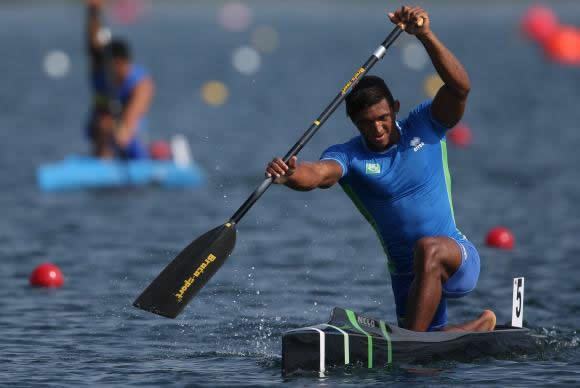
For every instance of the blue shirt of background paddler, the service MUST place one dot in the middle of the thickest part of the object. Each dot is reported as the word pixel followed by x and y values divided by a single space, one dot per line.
pixel 136 148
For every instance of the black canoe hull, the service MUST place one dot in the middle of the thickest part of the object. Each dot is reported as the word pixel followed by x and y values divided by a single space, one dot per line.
pixel 345 340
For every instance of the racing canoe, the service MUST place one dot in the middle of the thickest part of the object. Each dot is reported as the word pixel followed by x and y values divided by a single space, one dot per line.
pixel 78 173
pixel 354 340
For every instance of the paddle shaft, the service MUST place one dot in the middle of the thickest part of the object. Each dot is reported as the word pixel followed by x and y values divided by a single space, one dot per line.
pixel 328 111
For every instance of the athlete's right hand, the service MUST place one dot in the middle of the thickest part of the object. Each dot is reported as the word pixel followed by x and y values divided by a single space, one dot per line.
pixel 280 170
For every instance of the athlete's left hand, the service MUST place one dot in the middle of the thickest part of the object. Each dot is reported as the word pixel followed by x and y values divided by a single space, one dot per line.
pixel 409 17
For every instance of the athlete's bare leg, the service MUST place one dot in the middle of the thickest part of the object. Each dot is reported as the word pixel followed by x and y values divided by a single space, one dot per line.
pixel 435 260
pixel 101 137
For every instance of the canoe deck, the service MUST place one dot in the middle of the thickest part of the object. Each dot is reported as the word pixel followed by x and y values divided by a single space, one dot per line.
pixel 351 339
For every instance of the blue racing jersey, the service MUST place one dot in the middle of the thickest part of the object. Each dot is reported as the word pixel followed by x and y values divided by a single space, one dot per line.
pixel 404 192
pixel 124 91
pixel 136 149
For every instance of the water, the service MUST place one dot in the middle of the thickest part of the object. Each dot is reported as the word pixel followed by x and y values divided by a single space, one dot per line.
pixel 298 254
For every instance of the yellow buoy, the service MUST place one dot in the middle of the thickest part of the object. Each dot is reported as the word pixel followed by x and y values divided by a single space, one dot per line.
pixel 432 85
pixel 214 93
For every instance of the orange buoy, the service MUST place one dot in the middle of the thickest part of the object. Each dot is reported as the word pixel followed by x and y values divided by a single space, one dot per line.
pixel 460 135
pixel 563 46
pixel 539 23
pixel 46 275
pixel 160 150
pixel 500 237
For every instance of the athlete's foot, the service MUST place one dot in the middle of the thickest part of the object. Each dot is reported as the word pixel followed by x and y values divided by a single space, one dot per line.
pixel 485 322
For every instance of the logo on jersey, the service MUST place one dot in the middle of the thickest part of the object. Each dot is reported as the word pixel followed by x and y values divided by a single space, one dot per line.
pixel 373 168
pixel 417 144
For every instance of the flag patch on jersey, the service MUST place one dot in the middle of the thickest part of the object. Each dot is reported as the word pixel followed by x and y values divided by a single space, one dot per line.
pixel 373 168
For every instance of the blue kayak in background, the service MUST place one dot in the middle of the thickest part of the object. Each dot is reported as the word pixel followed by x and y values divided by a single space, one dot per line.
pixel 79 172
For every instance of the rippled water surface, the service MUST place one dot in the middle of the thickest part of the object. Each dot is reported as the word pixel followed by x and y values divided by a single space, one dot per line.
pixel 298 254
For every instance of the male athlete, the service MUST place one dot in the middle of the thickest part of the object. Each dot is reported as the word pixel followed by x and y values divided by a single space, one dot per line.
pixel 123 93
pixel 396 173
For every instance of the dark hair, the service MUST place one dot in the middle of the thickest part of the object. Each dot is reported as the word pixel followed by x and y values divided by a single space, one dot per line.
pixel 369 91
pixel 119 49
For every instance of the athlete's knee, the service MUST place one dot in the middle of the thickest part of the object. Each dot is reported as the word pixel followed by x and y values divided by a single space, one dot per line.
pixel 426 258
pixel 427 247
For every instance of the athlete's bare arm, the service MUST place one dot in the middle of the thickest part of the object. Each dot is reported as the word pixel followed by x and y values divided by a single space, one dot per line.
pixel 306 175
pixel 449 103
pixel 94 46
pixel 137 107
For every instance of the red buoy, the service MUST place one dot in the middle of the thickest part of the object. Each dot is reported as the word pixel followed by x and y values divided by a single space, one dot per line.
pixel 160 150
pixel 46 275
pixel 500 237
pixel 539 23
pixel 460 135
pixel 563 46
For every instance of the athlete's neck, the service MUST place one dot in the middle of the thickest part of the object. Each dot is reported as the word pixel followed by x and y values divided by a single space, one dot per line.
pixel 394 138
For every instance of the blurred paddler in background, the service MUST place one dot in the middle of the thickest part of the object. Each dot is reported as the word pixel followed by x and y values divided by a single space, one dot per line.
pixel 122 91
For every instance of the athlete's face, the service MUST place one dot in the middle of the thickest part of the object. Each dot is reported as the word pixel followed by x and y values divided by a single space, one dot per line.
pixel 377 125
pixel 121 69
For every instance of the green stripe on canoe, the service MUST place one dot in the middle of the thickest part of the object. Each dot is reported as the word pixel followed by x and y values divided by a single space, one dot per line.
pixel 352 318
pixel 388 338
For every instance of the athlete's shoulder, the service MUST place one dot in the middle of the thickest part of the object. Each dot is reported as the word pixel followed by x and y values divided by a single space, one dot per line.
pixel 139 69
pixel 420 119
pixel 138 73
pixel 343 153
pixel 419 115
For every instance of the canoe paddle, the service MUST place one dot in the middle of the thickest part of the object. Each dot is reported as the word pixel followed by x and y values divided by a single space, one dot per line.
pixel 186 275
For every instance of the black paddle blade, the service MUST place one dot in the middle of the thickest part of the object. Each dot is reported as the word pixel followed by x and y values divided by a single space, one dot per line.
pixel 170 292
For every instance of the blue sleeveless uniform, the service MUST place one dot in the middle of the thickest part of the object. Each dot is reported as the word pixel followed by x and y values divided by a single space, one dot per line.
pixel 404 192
pixel 136 149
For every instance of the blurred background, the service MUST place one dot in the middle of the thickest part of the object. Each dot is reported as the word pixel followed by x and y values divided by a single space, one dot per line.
pixel 242 81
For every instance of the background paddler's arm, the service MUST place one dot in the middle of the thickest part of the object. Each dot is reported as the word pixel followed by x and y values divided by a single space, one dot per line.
pixel 93 27
pixel 307 176
pixel 449 104
pixel 137 107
